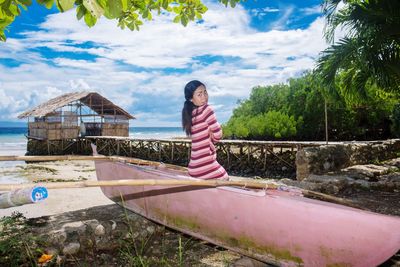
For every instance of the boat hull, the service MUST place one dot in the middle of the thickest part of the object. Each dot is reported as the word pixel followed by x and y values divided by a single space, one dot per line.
pixel 278 227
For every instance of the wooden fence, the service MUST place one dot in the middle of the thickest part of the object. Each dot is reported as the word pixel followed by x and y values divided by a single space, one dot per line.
pixel 239 157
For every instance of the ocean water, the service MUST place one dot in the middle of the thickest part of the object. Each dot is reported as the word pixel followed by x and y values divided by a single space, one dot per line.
pixel 13 142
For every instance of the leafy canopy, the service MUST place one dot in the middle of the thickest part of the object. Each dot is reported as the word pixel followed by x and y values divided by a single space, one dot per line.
pixel 129 13
pixel 369 53
pixel 295 111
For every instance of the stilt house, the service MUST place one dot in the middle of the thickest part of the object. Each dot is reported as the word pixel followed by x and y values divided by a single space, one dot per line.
pixel 75 115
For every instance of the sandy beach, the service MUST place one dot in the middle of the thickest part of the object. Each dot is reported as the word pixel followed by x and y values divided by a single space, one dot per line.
pixel 59 200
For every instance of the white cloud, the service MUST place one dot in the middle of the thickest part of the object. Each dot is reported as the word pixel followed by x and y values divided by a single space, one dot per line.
pixel 283 20
pixel 244 58
pixel 317 9
pixel 261 12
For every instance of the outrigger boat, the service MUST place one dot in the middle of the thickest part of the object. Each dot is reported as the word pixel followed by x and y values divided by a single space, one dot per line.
pixel 274 224
pixel 277 226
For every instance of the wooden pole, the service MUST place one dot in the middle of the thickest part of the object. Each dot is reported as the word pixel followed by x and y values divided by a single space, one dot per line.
pixel 52 158
pixel 147 182
pixel 326 122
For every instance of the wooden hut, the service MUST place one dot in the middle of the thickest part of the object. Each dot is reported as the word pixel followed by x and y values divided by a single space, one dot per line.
pixel 76 114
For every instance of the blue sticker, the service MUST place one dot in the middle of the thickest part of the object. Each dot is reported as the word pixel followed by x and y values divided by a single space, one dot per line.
pixel 39 193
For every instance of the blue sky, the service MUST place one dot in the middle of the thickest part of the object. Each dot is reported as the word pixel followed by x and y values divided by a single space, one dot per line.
pixel 257 43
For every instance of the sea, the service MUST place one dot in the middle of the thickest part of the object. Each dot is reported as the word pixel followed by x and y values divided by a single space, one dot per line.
pixel 13 142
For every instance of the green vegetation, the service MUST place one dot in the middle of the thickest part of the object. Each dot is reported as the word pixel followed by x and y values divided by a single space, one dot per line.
pixel 31 167
pixel 369 53
pixel 128 13
pixel 295 111
pixel 18 246
pixel 147 249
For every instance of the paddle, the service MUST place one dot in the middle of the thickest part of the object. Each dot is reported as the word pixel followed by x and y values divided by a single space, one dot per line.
pixel 176 182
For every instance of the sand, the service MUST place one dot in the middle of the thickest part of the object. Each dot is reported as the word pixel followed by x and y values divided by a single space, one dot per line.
pixel 59 200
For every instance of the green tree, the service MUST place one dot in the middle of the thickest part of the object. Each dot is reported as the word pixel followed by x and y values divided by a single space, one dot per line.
pixel 370 51
pixel 279 125
pixel 296 110
pixel 129 13
pixel 236 127
pixel 268 98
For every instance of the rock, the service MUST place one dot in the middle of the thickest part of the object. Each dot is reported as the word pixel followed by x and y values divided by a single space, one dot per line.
pixel 393 162
pixel 100 230
pixel 59 260
pixel 113 225
pixel 327 166
pixel 77 226
pixel 92 224
pixel 58 237
pixel 335 178
pixel 367 172
pixel 332 158
pixel 362 183
pixel 71 248
pixel 392 177
pixel 51 251
pixel 150 229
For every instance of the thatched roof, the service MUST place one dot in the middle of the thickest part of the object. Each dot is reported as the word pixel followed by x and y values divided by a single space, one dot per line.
pixel 93 100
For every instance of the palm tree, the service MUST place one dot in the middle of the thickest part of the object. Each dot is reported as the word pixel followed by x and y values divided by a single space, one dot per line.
pixel 369 53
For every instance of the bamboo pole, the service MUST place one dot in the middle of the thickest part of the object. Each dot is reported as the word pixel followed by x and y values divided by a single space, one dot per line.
pixel 52 158
pixel 177 182
pixel 141 182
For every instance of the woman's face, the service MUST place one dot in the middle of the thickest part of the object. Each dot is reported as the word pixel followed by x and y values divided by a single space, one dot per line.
pixel 200 96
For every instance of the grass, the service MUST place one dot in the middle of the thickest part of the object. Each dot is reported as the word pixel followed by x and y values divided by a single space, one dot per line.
pixel 88 170
pixel 18 246
pixel 52 180
pixel 137 246
pixel 138 251
pixel 30 167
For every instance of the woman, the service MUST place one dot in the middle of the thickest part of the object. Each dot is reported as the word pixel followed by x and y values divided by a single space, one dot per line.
pixel 199 122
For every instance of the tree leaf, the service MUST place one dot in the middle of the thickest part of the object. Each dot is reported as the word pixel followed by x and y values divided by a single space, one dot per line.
pixel 124 4
pixel 25 2
pixel 64 5
pixel 94 8
pixel 102 3
pixel 165 4
pixel 47 3
pixel 184 20
pixel 198 15
pixel 3 37
pixel 14 10
pixel 80 11
pixel 150 16
pixel 145 13
pixel 177 19
pixel 113 9
pixel 89 19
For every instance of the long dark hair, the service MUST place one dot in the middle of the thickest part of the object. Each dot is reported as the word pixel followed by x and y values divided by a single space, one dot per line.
pixel 188 106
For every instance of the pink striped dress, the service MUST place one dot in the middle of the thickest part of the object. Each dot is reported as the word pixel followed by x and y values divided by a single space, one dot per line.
pixel 206 131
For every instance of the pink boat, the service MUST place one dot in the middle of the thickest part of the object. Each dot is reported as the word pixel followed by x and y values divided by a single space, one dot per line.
pixel 278 227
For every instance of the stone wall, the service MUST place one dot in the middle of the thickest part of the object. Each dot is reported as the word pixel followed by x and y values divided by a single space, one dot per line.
pixel 333 158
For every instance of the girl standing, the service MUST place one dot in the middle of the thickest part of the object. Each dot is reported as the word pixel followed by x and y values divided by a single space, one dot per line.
pixel 200 123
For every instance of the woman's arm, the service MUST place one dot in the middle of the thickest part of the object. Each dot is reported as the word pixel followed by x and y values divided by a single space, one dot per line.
pixel 213 126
